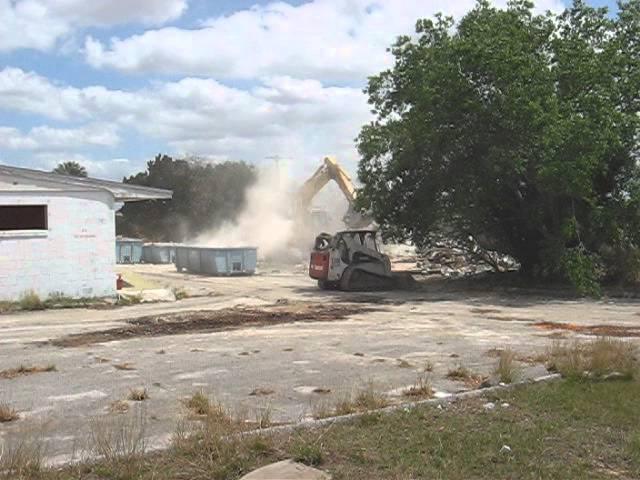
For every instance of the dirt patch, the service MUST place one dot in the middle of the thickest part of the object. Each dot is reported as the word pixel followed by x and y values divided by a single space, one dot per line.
pixel 595 330
pixel 484 311
pixel 23 370
pixel 371 300
pixel 509 319
pixel 204 321
pixel 261 392
pixel 124 366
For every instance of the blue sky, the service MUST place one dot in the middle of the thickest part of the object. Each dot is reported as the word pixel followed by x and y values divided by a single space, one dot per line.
pixel 109 83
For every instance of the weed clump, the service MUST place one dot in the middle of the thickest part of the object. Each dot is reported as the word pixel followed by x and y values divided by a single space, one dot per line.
pixel 7 413
pixel 420 389
pixel 198 403
pixel 506 370
pixel 463 374
pixel 602 358
pixel 138 395
pixel 180 293
pixel 363 400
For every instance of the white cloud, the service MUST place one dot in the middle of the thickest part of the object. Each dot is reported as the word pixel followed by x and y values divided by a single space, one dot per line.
pixel 39 24
pixel 113 12
pixel 13 139
pixel 299 119
pixel 325 39
pixel 290 54
pixel 48 138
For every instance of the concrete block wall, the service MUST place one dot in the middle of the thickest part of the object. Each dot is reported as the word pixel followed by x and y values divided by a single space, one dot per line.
pixel 74 257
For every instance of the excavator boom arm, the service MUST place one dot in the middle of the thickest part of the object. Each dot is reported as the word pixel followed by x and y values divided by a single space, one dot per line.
pixel 329 170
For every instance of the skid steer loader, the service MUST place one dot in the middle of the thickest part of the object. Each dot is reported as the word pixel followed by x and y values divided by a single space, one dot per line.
pixel 351 261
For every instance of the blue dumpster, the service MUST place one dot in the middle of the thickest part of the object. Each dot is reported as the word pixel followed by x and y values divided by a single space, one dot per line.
pixel 128 250
pixel 217 261
pixel 159 253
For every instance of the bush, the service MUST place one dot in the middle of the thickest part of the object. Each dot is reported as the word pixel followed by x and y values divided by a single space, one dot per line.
pixel 31 301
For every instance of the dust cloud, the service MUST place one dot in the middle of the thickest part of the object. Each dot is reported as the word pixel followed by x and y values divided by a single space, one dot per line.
pixel 265 222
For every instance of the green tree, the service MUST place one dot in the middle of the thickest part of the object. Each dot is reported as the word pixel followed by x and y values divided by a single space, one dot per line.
pixel 204 196
pixel 71 168
pixel 519 131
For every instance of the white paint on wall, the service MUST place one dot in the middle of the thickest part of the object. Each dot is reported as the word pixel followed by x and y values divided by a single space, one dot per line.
pixel 74 257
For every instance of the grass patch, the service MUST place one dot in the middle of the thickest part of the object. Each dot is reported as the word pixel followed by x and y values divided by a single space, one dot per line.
pixel 138 395
pixel 307 453
pixel 120 444
pixel 24 370
pixel 30 301
pixel 507 370
pixel 7 413
pixel 556 430
pixel 128 300
pixel 601 359
pixel 22 458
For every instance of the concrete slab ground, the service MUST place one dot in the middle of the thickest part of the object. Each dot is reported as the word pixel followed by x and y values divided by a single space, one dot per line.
pixel 390 347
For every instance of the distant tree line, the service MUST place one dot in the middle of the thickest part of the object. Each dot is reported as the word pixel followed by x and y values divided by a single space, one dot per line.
pixel 204 196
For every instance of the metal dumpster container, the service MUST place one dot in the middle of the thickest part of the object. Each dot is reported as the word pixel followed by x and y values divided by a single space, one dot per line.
pixel 128 250
pixel 159 253
pixel 217 261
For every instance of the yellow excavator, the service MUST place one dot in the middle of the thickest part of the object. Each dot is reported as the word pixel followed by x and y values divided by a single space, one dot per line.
pixel 331 170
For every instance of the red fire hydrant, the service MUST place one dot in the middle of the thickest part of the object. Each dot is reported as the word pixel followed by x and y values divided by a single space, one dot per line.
pixel 119 282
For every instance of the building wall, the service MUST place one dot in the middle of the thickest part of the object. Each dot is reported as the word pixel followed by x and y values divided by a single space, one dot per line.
pixel 74 257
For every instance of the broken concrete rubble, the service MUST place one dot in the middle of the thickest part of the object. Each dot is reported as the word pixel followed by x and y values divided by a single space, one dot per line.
pixel 448 258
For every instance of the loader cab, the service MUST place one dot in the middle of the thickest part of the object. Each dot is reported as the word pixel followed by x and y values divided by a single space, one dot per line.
pixel 367 239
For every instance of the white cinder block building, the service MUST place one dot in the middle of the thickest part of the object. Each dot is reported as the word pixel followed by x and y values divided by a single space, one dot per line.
pixel 57 232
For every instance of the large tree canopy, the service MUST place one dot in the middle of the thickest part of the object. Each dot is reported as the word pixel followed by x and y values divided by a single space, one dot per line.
pixel 204 196
pixel 518 130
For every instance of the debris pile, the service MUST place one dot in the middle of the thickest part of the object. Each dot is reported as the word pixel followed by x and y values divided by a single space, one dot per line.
pixel 451 260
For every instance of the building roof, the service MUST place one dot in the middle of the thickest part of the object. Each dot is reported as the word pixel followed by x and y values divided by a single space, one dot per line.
pixel 15 179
